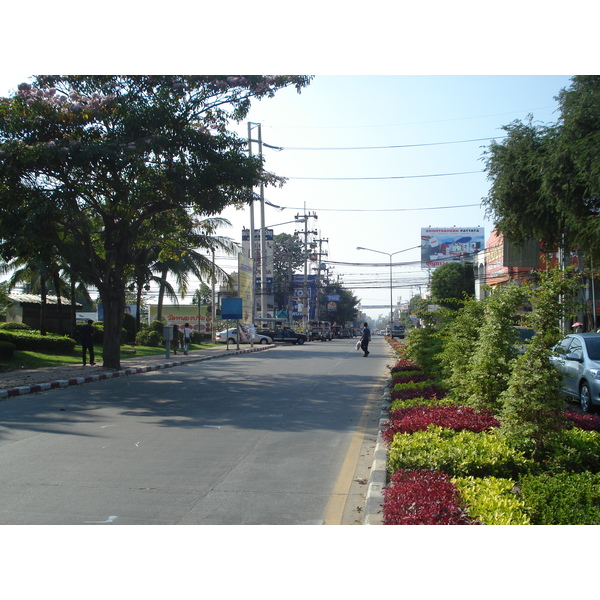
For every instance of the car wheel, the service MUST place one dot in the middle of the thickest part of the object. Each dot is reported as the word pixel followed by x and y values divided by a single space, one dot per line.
pixel 301 342
pixel 585 398
pixel 263 341
pixel 231 341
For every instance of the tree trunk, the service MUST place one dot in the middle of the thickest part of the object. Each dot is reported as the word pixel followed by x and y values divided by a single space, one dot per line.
pixel 161 293
pixel 43 294
pixel 73 308
pixel 113 301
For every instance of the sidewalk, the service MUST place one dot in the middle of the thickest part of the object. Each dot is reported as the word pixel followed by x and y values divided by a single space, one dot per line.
pixel 29 381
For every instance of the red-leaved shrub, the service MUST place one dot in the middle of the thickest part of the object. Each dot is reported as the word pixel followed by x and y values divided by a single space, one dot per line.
pixel 405 365
pixel 589 422
pixel 412 378
pixel 430 391
pixel 422 497
pixel 417 418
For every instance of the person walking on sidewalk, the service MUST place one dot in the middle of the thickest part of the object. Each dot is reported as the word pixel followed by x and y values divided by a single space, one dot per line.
pixel 86 336
pixel 365 338
pixel 176 340
pixel 187 337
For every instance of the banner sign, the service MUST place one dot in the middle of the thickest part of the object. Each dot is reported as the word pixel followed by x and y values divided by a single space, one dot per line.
pixel 183 313
pixel 440 245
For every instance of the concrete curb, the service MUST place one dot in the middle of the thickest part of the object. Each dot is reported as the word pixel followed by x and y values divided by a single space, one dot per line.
pixel 59 383
pixel 378 476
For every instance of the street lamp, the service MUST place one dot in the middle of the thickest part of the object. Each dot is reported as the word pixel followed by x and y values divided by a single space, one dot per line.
pixel 391 284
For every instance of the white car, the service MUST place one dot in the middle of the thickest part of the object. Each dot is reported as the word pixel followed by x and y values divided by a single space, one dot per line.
pixel 231 335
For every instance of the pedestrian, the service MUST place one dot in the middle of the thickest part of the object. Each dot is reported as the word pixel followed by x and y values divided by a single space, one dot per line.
pixel 187 338
pixel 365 338
pixel 175 339
pixel 86 336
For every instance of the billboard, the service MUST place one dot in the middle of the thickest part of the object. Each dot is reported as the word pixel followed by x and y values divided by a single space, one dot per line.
pixel 200 320
pixel 440 245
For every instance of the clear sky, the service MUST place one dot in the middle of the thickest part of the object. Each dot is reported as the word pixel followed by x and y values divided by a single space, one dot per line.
pixel 439 81
pixel 380 198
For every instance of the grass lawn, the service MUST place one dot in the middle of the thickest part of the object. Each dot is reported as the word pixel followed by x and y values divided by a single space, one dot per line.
pixel 24 359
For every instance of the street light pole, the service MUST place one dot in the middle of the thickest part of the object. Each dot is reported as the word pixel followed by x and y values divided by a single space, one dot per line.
pixel 391 282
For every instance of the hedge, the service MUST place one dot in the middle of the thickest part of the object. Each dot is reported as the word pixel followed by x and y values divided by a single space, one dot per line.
pixel 37 342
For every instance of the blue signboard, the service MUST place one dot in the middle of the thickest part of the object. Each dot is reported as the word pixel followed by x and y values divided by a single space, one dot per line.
pixel 231 308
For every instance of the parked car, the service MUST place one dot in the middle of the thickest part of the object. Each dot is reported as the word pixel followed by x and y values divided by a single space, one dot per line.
pixel 284 335
pixel 345 333
pixel 577 357
pixel 231 336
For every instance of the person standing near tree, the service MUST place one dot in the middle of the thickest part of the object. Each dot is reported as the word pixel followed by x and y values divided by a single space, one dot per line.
pixel 365 338
pixel 86 336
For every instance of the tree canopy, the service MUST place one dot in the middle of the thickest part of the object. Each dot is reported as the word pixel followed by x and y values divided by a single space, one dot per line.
pixel 545 179
pixel 96 168
pixel 451 282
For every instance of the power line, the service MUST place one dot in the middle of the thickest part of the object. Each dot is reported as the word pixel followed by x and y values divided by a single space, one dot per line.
pixel 280 148
pixel 379 178
pixel 369 209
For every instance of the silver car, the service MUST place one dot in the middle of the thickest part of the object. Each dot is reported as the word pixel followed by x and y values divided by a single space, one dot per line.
pixel 577 356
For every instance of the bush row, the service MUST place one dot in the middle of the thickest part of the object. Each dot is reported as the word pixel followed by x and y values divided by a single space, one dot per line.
pixel 30 340
pixel 450 464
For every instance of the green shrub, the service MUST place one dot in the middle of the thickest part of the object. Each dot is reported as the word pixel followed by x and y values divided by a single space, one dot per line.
pixel 15 326
pixel 421 401
pixel 575 450
pixel 7 350
pixel 457 453
pixel 129 325
pixel 423 346
pixel 157 326
pixel 149 337
pixel 29 340
pixel 99 333
pixel 562 499
pixel 491 500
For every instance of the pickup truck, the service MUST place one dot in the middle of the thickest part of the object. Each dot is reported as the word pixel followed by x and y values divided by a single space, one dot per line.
pixel 284 335
pixel 398 331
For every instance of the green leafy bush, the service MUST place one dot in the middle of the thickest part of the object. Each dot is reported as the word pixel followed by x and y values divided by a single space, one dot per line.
pixel 491 500
pixel 129 325
pixel 457 453
pixel 562 499
pixel 15 326
pixel 99 333
pixel 7 350
pixel 24 340
pixel 575 450
pixel 148 337
pixel 421 401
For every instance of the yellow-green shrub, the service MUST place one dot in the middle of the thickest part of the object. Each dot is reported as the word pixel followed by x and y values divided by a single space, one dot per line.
pixel 491 501
pixel 457 453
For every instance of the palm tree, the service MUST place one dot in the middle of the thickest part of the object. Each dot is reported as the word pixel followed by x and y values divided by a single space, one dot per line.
pixel 184 261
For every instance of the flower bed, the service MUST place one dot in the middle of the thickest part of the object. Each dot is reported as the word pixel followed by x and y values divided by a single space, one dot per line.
pixel 416 418
pixel 422 497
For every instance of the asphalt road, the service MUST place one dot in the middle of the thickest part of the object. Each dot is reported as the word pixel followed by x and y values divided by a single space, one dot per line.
pixel 274 437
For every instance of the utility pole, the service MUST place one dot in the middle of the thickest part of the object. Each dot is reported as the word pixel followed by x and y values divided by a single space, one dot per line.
pixel 252 252
pixel 305 233
pixel 263 243
pixel 318 282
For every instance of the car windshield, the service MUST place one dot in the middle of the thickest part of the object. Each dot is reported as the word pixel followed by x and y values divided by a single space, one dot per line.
pixel 593 348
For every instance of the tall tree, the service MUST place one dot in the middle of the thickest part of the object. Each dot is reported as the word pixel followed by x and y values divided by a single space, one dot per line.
pixel 451 282
pixel 91 162
pixel 545 179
